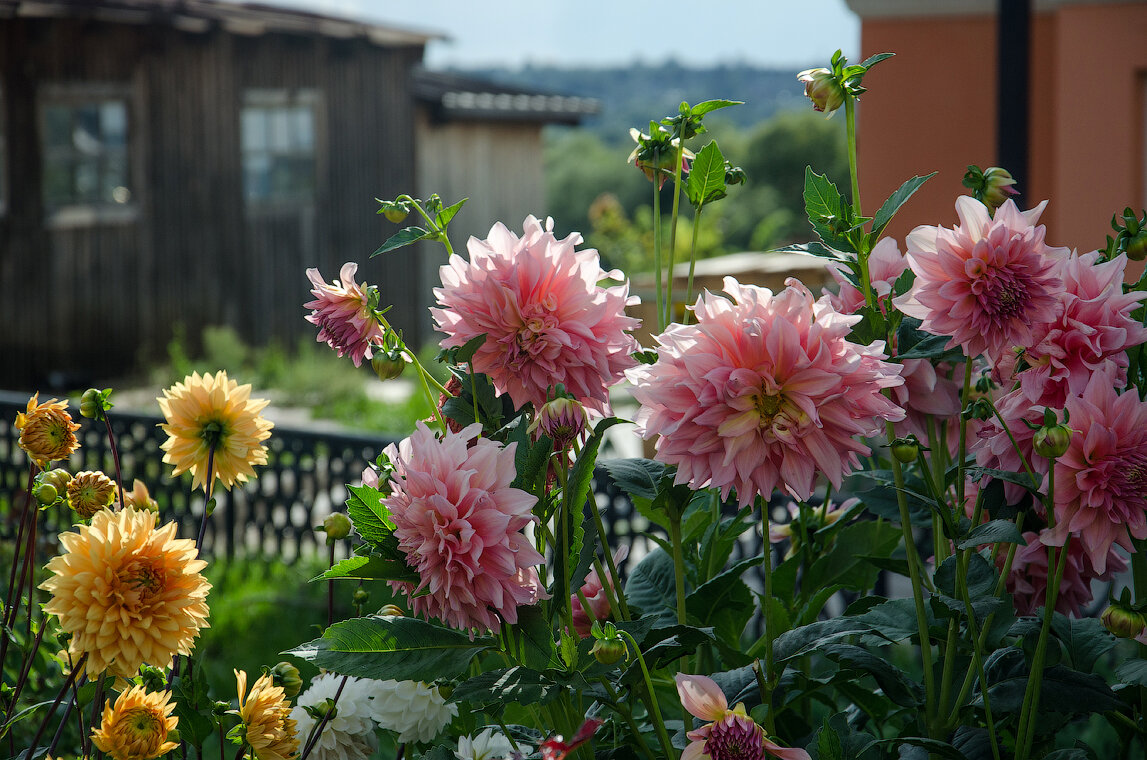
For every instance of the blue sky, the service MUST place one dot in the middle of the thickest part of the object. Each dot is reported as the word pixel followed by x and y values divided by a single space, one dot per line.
pixel 780 33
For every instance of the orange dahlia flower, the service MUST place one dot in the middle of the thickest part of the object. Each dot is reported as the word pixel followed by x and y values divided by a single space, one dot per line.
pixel 137 725
pixel 89 492
pixel 47 432
pixel 265 712
pixel 211 413
pixel 127 592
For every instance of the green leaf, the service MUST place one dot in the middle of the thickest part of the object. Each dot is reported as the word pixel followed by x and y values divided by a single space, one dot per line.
pixel 652 586
pixel 493 689
pixel 400 648
pixel 1019 478
pixel 530 459
pixel 993 532
pixel 824 206
pixel 1085 640
pixel 1132 672
pixel 895 683
pixel 371 567
pixel 706 106
pixel 446 214
pixel 636 477
pixel 809 638
pixel 894 202
pixel 872 60
pixel 539 650
pixel 370 518
pixel 401 239
pixel 706 181
pixel 895 619
pixel 725 602
pixel 844 563
pixel 1062 690
pixel 819 249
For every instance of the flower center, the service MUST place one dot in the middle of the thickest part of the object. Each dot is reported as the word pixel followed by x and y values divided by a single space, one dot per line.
pixel 214 433
pixel 735 738
pixel 142 580
pixel 768 406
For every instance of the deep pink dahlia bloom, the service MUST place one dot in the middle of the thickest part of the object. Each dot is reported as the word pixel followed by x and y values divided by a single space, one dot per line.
pixel 459 523
pixel 885 265
pixel 342 312
pixel 1101 480
pixel 1094 327
pixel 763 390
pixel 990 283
pixel 1027 582
pixel 729 734
pixel 546 319
pixel 594 592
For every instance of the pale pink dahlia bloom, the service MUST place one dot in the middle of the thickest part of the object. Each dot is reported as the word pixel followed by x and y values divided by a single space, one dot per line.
pixel 1027 582
pixel 729 734
pixel 1101 480
pixel 459 523
pixel 546 319
pixel 990 283
pixel 1094 327
pixel 885 265
pixel 342 311
pixel 594 592
pixel 993 448
pixel 764 389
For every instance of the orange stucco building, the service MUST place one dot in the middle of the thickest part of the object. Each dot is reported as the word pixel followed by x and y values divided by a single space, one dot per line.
pixel 933 108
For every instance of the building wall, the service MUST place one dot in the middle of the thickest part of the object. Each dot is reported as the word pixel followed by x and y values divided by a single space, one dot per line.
pixel 95 298
pixel 933 107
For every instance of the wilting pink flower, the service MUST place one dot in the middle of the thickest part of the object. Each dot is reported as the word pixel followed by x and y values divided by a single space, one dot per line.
pixel 1027 582
pixel 342 311
pixel 729 734
pixel 763 389
pixel 557 748
pixel 990 283
pixel 594 592
pixel 1101 480
pixel 546 319
pixel 1094 327
pixel 885 265
pixel 459 523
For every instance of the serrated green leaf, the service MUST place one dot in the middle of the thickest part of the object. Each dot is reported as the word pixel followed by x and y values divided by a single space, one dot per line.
pixel 400 648
pixel 872 60
pixel 706 106
pixel 895 683
pixel 494 689
pixel 819 249
pixel 706 181
pixel 889 208
pixel 401 239
pixel 370 567
pixel 636 477
pixel 993 532
pixel 446 214
pixel 368 515
pixel 652 586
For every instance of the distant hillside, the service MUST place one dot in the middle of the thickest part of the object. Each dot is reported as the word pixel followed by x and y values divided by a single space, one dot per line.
pixel 632 95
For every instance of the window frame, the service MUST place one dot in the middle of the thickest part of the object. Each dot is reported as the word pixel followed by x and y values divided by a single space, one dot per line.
pixel 271 99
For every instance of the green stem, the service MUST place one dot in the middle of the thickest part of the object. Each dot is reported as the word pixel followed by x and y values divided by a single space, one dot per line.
pixel 692 264
pixel 677 163
pixel 679 565
pixel 1139 580
pixel 964 394
pixel 614 576
pixel 627 714
pixel 654 710
pixel 977 658
pixel 767 580
pixel 658 295
pixel 854 176
pixel 430 223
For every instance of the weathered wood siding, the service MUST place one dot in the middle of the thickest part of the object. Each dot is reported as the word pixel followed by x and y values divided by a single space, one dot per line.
pixel 94 300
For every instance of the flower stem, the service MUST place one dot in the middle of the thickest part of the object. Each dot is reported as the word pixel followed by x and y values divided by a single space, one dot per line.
pixel 313 739
pixel 977 657
pixel 854 176
pixel 770 634
pixel 654 711
pixel 679 565
pixel 692 264
pixel 657 248
pixel 677 163
pixel 613 574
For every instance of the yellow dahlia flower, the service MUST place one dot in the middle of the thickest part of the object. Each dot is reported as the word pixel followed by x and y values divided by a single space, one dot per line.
pixel 206 411
pixel 127 592
pixel 137 725
pixel 267 724
pixel 47 432
pixel 89 492
pixel 139 497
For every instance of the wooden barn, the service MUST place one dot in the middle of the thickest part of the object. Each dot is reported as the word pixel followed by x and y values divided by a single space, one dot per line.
pixel 182 162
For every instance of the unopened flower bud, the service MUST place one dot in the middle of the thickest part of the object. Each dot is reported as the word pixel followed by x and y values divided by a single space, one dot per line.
pixel 139 497
pixel 287 675
pixel 608 651
pixel 360 597
pixel 90 404
pixel 905 449
pixel 562 420
pixel 57 478
pixel 1123 621
pixel 391 610
pixel 337 526
pixel 46 494
pixel 387 364
pixel 822 88
pixel 998 186
pixel 395 211
pixel 1052 442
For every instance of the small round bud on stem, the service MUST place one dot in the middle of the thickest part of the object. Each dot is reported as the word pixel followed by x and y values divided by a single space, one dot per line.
pixel 287 675
pixel 361 596
pixel 1052 442
pixel 1123 621
pixel 905 449
pixel 337 526
pixel 823 89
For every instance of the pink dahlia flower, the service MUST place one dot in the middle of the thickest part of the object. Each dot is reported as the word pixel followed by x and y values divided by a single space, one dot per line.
pixel 546 319
pixel 594 592
pixel 929 391
pixel 1094 327
pixel 1027 582
pixel 763 390
pixel 885 265
pixel 1101 480
pixel 994 449
pixel 990 283
pixel 459 523
pixel 729 734
pixel 342 311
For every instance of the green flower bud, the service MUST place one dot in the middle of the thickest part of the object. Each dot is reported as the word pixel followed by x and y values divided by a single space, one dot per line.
pixel 387 364
pixel 360 597
pixel 823 89
pixel 46 494
pixel 337 525
pixel 287 675
pixel 1052 442
pixel 1123 621
pixel 608 651
pixel 91 405
pixel 57 478
pixel 905 449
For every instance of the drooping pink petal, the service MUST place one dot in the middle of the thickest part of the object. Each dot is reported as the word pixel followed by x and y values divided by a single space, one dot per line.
pixel 342 312
pixel 701 696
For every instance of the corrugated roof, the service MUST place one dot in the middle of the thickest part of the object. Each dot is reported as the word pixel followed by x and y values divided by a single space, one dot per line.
pixel 198 16
pixel 454 96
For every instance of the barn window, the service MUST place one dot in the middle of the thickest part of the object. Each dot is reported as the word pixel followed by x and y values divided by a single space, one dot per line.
pixel 85 138
pixel 278 143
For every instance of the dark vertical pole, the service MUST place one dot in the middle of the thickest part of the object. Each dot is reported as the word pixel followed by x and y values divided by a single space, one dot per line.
pixel 1013 45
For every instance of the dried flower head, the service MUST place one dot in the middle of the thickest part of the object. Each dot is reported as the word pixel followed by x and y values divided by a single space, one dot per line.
pixel 128 593
pixel 89 492
pixel 137 725
pixel 344 314
pixel 265 712
pixel 47 432
pixel 211 418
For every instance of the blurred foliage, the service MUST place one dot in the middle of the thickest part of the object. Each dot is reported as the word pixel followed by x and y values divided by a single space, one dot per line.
pixel 591 188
